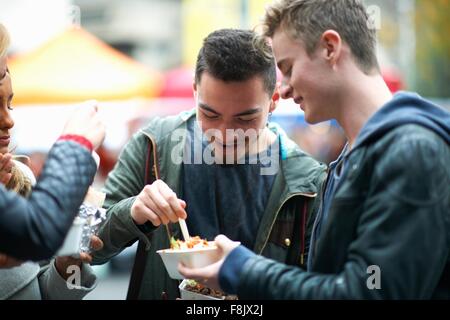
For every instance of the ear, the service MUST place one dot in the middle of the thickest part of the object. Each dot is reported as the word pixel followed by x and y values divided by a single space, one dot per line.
pixel 194 89
pixel 331 44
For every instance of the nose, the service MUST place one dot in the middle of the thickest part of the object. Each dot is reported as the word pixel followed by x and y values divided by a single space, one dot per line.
pixel 228 132
pixel 285 90
pixel 6 121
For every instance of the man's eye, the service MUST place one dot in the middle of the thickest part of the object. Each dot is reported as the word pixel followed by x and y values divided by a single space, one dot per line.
pixel 210 117
pixel 247 120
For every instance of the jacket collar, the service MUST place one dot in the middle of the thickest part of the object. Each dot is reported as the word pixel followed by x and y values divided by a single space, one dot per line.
pixel 300 171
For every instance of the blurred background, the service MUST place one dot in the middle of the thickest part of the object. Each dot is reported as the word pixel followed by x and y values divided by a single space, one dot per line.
pixel 136 58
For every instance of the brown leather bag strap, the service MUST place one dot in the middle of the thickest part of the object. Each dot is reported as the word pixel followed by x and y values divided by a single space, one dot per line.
pixel 138 272
pixel 140 261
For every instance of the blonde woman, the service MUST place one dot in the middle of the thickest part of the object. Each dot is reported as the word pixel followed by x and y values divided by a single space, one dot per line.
pixel 30 280
pixel 34 228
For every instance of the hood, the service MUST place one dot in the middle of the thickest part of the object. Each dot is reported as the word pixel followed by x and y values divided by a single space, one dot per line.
pixel 406 108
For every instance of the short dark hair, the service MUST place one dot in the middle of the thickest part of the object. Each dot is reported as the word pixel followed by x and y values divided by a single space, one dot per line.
pixel 232 55
pixel 307 20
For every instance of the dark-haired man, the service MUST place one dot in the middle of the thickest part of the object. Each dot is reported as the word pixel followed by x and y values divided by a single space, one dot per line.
pixel 236 173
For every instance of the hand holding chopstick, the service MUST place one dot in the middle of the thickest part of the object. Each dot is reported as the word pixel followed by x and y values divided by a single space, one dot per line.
pixel 184 229
pixel 158 204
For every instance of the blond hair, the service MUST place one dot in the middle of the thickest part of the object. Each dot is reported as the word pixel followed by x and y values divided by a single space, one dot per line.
pixel 4 40
pixel 19 182
pixel 307 20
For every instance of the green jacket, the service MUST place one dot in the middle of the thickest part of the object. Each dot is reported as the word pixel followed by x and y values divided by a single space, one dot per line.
pixel 285 227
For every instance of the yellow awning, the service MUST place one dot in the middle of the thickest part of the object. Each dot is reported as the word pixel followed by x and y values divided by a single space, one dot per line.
pixel 76 66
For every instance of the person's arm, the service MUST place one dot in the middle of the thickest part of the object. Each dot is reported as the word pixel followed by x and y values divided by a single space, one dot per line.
pixel 135 210
pixel 403 230
pixel 55 287
pixel 34 228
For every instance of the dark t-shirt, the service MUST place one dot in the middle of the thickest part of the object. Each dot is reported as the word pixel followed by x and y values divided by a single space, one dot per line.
pixel 227 199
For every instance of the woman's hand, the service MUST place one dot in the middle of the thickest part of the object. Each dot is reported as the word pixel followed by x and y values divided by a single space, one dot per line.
pixel 63 263
pixel 86 122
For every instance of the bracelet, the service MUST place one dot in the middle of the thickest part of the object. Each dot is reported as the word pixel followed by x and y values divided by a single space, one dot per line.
pixel 79 139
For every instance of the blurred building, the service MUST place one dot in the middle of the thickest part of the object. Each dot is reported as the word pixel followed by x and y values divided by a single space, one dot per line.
pixel 148 30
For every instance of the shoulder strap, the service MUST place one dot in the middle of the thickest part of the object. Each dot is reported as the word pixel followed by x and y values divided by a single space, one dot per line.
pixel 140 261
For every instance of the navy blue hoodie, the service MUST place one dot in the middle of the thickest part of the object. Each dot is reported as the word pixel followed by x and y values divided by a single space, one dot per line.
pixel 404 108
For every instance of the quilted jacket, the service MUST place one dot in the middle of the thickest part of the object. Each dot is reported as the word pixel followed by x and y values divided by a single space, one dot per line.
pixel 35 228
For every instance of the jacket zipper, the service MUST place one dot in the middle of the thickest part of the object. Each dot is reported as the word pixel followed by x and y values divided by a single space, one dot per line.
pixel 306 195
pixel 322 190
pixel 305 211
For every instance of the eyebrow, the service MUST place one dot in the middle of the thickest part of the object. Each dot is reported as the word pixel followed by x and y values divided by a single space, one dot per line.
pixel 248 112
pixel 207 108
pixel 245 113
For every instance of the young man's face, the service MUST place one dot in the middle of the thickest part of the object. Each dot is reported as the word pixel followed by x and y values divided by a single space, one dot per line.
pixel 308 80
pixel 225 106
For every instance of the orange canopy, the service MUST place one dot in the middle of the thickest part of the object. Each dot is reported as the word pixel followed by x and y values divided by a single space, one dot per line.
pixel 75 66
